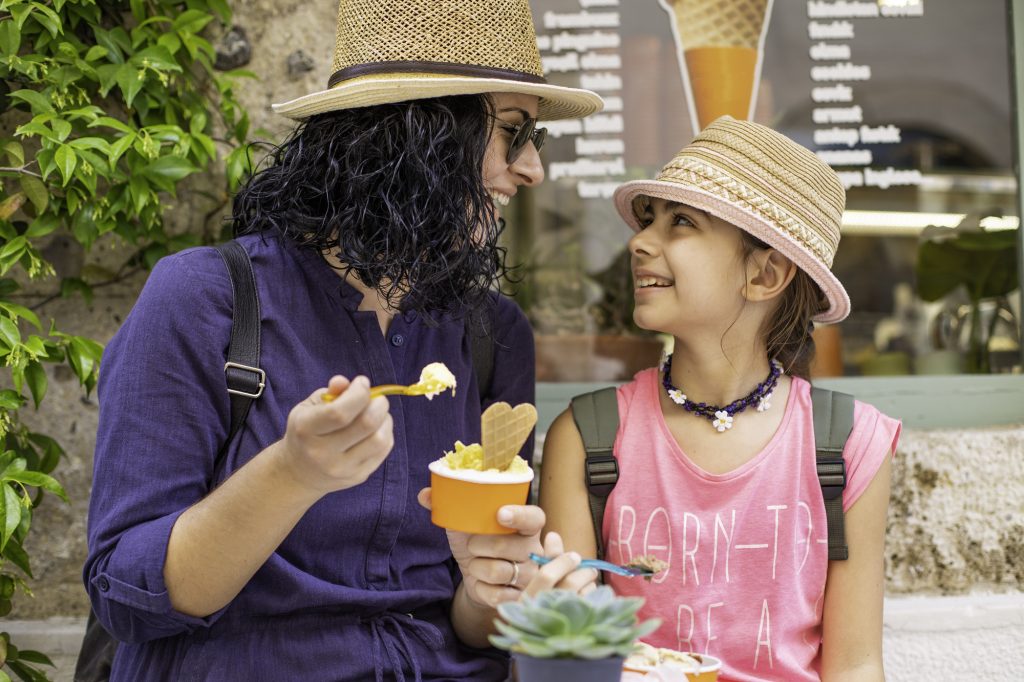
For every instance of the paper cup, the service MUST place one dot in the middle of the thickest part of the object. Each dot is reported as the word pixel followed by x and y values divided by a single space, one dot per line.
pixel 468 501
pixel 709 668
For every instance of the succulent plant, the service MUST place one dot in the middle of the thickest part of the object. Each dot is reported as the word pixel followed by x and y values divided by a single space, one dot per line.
pixel 564 624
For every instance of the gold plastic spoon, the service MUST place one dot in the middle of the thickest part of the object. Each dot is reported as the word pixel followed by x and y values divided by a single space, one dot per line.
pixel 435 378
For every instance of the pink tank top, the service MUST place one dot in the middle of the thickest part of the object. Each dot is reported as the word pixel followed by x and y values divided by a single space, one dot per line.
pixel 747 550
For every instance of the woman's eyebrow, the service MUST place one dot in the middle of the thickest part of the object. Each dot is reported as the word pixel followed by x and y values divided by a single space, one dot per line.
pixel 523 112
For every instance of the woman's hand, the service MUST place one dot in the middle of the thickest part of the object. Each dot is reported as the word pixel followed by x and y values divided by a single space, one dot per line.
pixel 335 445
pixel 497 568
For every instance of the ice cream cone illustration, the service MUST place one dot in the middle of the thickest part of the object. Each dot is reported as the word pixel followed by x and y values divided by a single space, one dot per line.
pixel 719 44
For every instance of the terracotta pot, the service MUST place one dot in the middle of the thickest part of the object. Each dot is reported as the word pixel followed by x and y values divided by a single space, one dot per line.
pixel 589 357
pixel 529 669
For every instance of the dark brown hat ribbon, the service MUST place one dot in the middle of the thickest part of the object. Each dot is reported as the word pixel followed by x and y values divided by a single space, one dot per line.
pixel 445 68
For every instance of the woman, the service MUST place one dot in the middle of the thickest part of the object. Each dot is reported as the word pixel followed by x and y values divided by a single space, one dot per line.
pixel 372 234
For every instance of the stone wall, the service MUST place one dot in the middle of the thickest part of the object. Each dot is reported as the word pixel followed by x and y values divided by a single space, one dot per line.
pixel 292 51
pixel 956 519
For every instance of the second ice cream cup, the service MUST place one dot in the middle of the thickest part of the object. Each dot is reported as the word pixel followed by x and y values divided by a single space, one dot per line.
pixel 468 500
pixel 709 668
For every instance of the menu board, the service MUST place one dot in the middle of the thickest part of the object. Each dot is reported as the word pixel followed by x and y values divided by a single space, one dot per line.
pixel 821 71
pixel 909 101
pixel 842 134
pixel 585 40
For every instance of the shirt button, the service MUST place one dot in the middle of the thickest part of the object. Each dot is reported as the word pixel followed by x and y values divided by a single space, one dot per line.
pixel 397 340
pixel 103 584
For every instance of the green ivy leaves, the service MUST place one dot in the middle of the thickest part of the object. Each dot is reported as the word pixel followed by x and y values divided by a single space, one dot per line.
pixel 120 111
pixel 107 107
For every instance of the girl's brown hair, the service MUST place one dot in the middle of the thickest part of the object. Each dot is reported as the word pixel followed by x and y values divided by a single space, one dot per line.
pixel 787 331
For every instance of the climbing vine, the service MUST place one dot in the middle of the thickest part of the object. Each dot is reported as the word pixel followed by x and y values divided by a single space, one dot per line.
pixel 107 107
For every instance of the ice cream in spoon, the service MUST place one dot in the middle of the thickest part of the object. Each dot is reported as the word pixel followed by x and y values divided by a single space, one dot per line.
pixel 435 379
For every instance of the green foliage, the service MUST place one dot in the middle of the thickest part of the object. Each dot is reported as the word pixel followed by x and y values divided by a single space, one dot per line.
pixel 564 624
pixel 21 662
pixel 107 106
pixel 983 262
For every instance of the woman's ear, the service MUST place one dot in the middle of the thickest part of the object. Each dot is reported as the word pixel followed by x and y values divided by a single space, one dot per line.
pixel 768 275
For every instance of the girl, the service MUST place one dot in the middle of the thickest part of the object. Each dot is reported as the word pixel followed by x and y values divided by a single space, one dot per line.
pixel 372 233
pixel 715 449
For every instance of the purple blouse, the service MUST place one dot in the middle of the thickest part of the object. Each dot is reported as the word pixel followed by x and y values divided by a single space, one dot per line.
pixel 361 588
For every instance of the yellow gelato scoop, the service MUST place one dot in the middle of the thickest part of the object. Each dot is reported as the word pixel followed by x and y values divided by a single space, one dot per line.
pixel 435 378
pixel 471 458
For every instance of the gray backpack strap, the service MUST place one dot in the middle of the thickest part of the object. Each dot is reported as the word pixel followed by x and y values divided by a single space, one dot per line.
pixel 833 422
pixel 597 418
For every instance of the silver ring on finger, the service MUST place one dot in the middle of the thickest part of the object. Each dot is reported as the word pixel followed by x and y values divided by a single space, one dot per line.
pixel 515 573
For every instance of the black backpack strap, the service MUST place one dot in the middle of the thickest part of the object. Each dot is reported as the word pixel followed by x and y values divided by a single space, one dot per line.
pixel 242 370
pixel 245 383
pixel 481 350
pixel 833 422
pixel 597 418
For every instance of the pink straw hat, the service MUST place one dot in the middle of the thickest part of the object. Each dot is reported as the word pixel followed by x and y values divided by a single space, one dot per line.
pixel 764 183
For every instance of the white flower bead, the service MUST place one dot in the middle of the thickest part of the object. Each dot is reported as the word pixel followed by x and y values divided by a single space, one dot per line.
pixel 723 421
pixel 677 396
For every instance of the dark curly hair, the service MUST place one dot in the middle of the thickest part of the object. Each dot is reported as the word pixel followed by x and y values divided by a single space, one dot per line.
pixel 396 192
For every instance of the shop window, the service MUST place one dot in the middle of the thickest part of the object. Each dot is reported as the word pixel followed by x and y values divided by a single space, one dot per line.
pixel 910 101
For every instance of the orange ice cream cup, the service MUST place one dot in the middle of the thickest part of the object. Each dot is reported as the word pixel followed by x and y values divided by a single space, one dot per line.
pixel 468 500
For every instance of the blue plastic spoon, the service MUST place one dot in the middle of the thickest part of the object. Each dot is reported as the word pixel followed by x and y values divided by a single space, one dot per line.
pixel 627 571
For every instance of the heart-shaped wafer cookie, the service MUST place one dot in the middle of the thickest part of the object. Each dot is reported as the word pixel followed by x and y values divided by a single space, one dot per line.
pixel 503 431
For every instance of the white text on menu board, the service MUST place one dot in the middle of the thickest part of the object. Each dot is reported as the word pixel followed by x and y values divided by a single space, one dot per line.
pixel 587 42
pixel 833 95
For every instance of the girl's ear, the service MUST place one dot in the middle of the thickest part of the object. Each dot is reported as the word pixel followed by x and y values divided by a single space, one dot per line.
pixel 768 275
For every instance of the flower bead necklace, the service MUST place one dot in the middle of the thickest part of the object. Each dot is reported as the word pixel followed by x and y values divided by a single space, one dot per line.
pixel 721 417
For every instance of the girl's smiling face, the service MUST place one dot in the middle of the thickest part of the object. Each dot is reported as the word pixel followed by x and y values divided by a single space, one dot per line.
pixel 688 269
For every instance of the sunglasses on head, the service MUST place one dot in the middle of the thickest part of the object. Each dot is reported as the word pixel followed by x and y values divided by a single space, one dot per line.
pixel 523 133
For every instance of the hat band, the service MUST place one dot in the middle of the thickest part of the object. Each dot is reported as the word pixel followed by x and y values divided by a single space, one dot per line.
pixel 813 233
pixel 448 69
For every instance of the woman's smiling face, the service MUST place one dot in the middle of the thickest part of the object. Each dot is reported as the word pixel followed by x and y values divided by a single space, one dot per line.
pixel 501 178
pixel 688 268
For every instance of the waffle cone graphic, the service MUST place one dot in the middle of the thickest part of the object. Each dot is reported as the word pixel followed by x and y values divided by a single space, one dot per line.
pixel 719 43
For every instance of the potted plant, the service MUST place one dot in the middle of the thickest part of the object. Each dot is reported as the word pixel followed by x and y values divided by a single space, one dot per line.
pixel 983 262
pixel 562 636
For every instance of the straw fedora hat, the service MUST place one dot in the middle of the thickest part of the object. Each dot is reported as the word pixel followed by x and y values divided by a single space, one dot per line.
pixel 762 182
pixel 397 50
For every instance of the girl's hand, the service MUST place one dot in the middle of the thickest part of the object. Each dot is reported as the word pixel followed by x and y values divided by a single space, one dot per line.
pixel 335 445
pixel 562 573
